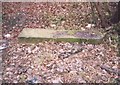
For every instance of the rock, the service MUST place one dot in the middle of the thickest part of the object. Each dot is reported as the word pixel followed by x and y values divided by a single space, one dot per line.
pixel 30 35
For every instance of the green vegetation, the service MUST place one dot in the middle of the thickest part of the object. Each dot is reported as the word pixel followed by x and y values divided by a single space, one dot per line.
pixel 71 32
pixel 37 40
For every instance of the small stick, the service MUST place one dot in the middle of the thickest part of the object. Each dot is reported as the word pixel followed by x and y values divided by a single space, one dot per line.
pixel 110 70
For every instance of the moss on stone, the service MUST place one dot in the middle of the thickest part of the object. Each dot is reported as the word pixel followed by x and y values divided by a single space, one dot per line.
pixel 71 32
pixel 37 40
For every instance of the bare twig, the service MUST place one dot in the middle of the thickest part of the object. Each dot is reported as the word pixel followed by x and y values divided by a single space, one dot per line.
pixel 110 70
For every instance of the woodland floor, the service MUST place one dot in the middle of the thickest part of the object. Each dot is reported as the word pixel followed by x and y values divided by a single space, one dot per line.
pixel 54 62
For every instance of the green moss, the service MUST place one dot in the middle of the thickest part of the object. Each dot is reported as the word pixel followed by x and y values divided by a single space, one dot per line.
pixel 71 32
pixel 37 40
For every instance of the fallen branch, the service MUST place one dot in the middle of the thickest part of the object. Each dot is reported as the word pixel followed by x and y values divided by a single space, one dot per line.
pixel 110 70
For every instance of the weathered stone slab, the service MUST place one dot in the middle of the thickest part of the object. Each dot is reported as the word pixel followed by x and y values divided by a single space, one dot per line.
pixel 38 35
